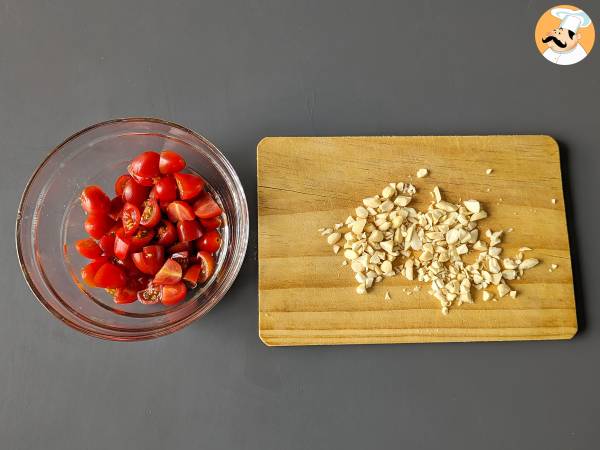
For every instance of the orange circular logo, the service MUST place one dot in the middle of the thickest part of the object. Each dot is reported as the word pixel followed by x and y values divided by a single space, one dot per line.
pixel 565 35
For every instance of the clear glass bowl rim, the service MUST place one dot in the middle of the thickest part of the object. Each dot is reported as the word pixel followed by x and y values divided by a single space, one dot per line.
pixel 238 253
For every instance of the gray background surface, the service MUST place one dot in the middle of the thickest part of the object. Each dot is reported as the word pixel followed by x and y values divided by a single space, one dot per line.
pixel 237 71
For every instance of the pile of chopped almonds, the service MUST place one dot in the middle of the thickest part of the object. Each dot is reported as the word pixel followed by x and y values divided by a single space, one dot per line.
pixel 386 237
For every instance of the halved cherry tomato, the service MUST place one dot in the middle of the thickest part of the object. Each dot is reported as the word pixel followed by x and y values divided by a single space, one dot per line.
pixel 170 162
pixel 189 185
pixel 178 211
pixel 94 200
pixel 125 295
pixel 173 293
pixel 150 296
pixel 122 245
pixel 142 237
pixel 169 273
pixel 150 214
pixel 192 275
pixel 150 259
pixel 205 207
pixel 145 165
pixel 208 265
pixel 166 189
pixel 88 248
pixel 211 224
pixel 116 207
pixel 182 258
pixel 89 270
pixel 134 192
pixel 120 184
pixel 188 230
pixel 180 247
pixel 110 276
pixel 107 244
pixel 131 218
pixel 166 233
pixel 97 224
pixel 210 242
pixel 153 193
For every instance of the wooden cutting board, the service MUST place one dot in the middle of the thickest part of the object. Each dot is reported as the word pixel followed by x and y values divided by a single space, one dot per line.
pixel 306 297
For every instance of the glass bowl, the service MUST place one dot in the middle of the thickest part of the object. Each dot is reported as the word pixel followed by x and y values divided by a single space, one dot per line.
pixel 50 220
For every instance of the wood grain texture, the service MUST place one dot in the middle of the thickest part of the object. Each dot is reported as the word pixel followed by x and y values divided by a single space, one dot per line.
pixel 307 298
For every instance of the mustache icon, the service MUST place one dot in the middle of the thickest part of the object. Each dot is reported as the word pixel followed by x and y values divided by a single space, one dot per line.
pixel 555 40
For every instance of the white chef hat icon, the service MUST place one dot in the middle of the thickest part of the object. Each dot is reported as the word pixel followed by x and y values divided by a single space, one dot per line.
pixel 571 20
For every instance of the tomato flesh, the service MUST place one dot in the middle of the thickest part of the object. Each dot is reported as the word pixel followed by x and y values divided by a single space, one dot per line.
pixel 169 273
pixel 150 214
pixel 125 295
pixel 121 248
pixel 192 275
pixel 181 247
pixel 110 275
pixel 205 207
pixel 172 294
pixel 94 200
pixel 150 259
pixel 210 242
pixel 188 230
pixel 150 296
pixel 178 211
pixel 142 237
pixel 116 207
pixel 188 185
pixel 107 244
pixel 88 248
pixel 166 234
pixel 211 224
pixel 131 218
pixel 208 265
pixel 170 162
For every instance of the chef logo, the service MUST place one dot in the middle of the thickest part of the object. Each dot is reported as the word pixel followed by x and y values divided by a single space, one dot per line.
pixel 564 35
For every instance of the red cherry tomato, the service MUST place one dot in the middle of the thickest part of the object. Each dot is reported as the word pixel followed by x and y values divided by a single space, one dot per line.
pixel 145 165
pixel 166 233
pixel 170 162
pixel 97 224
pixel 88 248
pixel 134 192
pixel 116 207
pixel 192 275
pixel 153 194
pixel 89 270
pixel 120 184
pixel 173 293
pixel 94 200
pixel 142 237
pixel 125 295
pixel 205 207
pixel 166 189
pixel 110 276
pixel 188 230
pixel 208 265
pixel 150 214
pixel 150 296
pixel 210 242
pixel 169 273
pixel 122 245
pixel 131 218
pixel 180 247
pixel 107 244
pixel 150 259
pixel 182 258
pixel 211 224
pixel 188 185
pixel 178 211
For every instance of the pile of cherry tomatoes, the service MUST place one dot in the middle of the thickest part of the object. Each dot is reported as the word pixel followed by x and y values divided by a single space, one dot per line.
pixel 156 238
